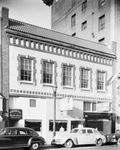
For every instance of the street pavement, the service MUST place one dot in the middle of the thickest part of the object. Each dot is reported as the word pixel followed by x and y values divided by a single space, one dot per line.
pixel 104 147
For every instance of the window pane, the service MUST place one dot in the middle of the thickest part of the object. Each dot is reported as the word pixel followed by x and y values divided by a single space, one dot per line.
pixel 67 75
pixel 87 106
pixel 84 5
pixel 26 69
pixel 84 78
pixel 47 72
pixel 58 125
pixel 32 103
pixel 100 80
pixel 73 20
pixel 102 22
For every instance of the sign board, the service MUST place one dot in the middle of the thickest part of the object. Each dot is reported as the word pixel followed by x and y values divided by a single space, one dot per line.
pixel 15 114
pixel 66 104
pixel 102 107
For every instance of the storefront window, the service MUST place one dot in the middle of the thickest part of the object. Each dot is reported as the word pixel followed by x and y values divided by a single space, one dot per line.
pixel 34 124
pixel 58 125
pixel 76 124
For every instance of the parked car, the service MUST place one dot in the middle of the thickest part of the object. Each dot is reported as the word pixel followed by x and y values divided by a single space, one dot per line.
pixel 79 136
pixel 20 137
pixel 114 137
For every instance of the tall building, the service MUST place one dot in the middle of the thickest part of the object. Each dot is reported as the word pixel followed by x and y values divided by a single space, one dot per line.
pixel 93 20
pixel 34 60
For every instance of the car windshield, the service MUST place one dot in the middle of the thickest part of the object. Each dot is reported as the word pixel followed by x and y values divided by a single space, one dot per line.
pixel 95 131
pixel 74 130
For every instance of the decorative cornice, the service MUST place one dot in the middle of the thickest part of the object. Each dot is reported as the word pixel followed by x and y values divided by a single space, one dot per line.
pixel 35 94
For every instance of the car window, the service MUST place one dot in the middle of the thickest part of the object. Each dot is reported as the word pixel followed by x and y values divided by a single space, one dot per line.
pixel 83 131
pixel 75 130
pixel 95 131
pixel 12 132
pixel 89 131
pixel 31 132
pixel 22 132
pixel 3 131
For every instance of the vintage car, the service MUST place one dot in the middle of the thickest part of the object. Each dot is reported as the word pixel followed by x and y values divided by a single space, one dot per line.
pixel 20 137
pixel 79 136
pixel 113 137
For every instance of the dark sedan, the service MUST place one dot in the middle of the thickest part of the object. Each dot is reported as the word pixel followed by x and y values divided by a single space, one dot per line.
pixel 20 137
pixel 114 137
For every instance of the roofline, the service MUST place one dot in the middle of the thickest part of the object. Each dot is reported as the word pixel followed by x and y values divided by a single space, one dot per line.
pixel 61 43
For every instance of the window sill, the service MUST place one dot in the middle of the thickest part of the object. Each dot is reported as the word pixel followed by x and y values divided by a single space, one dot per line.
pixel 68 87
pixel 26 82
pixel 85 89
pixel 101 91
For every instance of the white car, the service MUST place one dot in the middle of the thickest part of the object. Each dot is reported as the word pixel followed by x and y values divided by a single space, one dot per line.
pixel 79 136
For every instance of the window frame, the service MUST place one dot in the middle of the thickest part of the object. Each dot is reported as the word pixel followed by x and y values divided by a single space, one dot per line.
pixel 102 3
pixel 57 122
pixel 73 20
pixel 32 103
pixel 88 106
pixel 72 76
pixel 101 80
pixel 101 22
pixel 82 77
pixel 84 25
pixel 33 69
pixel 54 74
pixel 84 5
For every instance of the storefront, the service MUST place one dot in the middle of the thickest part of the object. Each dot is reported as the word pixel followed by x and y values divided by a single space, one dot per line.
pixel 104 122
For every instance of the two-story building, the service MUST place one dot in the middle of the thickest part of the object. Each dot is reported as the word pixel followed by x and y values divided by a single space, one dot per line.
pixel 33 60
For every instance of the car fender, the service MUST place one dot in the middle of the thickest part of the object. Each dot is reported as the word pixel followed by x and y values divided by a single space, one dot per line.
pixel 74 139
pixel 33 139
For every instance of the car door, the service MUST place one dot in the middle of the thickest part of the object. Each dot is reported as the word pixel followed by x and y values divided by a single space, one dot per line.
pixel 23 137
pixel 8 140
pixel 90 136
pixel 82 137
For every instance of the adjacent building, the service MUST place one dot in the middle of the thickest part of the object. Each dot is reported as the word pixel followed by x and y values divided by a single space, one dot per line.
pixel 33 60
pixel 94 20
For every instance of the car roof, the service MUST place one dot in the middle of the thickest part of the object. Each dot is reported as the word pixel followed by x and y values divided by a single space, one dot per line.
pixel 86 128
pixel 17 128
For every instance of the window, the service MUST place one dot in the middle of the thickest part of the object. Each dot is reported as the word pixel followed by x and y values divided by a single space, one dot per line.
pixel 48 72
pixel 100 80
pixel 58 125
pixel 101 3
pixel 67 75
pixel 73 20
pixel 84 25
pixel 34 124
pixel 102 22
pixel 74 34
pixel 73 3
pixel 102 41
pixel 26 69
pixel 85 78
pixel 32 103
pixel 84 5
pixel 89 106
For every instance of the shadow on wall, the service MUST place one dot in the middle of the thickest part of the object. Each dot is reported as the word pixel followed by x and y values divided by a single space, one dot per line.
pixel 75 113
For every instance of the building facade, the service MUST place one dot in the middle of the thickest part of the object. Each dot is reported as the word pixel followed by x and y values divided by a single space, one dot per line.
pixel 94 20
pixel 34 60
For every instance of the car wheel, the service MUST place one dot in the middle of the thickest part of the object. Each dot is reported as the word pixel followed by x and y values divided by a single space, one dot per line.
pixel 99 142
pixel 34 146
pixel 118 142
pixel 68 144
